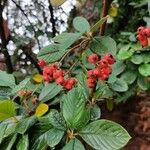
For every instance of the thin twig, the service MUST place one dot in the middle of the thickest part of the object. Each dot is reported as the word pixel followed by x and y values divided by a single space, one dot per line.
pixel 106 5
pixel 52 20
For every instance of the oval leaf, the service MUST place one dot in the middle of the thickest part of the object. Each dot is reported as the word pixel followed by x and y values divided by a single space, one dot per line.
pixel 7 109
pixel 38 78
pixel 81 24
pixel 49 92
pixel 144 70
pixel 105 135
pixel 119 85
pixel 41 110
pixel 74 144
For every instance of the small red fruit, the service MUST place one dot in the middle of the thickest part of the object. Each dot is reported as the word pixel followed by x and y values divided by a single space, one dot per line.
pixel 103 63
pixel 93 59
pixel 97 72
pixel 109 58
pixel 41 63
pixel 58 73
pixel 91 82
pixel 22 92
pixel 60 80
pixel 34 100
pixel 28 93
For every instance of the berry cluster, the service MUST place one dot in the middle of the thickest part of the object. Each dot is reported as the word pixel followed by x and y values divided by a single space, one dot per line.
pixel 102 68
pixel 53 73
pixel 24 93
pixel 143 35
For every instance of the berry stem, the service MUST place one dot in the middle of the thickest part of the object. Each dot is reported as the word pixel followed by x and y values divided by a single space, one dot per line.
pixel 73 65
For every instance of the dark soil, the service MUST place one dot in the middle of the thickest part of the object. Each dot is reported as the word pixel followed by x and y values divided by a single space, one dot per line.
pixel 134 115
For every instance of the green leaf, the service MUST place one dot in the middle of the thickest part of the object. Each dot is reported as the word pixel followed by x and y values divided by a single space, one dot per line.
pixel 103 45
pixel 6 129
pixel 97 26
pixel 137 59
pixel 119 86
pixel 112 78
pixel 144 70
pixel 74 144
pixel 143 83
pixel 67 39
pixel 54 136
pixel 118 68
pixel 9 142
pixel 81 77
pixel 105 135
pixel 49 92
pixel 7 109
pixel 20 86
pixel 56 120
pixel 73 107
pixel 51 53
pixel 7 80
pixel 4 92
pixel 95 112
pixel 55 51
pixel 125 54
pixel 129 76
pixel 81 24
pixel 25 124
pixel 102 90
pixel 40 143
pixel 23 143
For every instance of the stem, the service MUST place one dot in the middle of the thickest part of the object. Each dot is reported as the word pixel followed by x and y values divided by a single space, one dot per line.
pixel 106 5
pixel 66 54
pixel 28 109
pixel 52 20
pixel 73 65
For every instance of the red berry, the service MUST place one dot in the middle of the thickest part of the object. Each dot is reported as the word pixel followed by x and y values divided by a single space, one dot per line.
pixel 103 77
pixel 58 73
pixel 72 81
pixel 93 59
pixel 103 63
pixel 146 32
pixel 28 93
pixel 90 73
pixel 107 70
pixel 48 71
pixel 54 67
pixel 109 58
pixel 91 82
pixel 22 92
pixel 41 63
pixel 69 83
pixel 47 78
pixel 67 86
pixel 34 100
pixel 144 43
pixel 60 80
pixel 141 37
pixel 140 29
pixel 97 72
